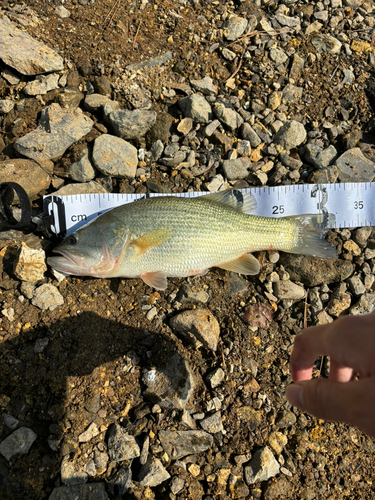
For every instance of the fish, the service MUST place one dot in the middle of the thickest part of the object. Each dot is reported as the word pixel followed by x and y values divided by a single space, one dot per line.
pixel 168 236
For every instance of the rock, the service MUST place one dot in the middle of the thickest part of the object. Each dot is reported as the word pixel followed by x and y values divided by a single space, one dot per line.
pixel 115 157
pixel 121 445
pixel 340 301
pixel 285 419
pixel 20 441
pixel 95 102
pixel 297 66
pixel 80 188
pixel 30 264
pixel 285 290
pixel 196 107
pixel 274 99
pixel 292 94
pixel 262 466
pixel 320 157
pixel 91 431
pixel 187 296
pixel 216 377
pixel 235 169
pixel 199 323
pixel 46 297
pixel 26 55
pixel 82 170
pixel 312 271
pixel 71 472
pixel 177 484
pixel 353 166
pixel 152 473
pixel 40 345
pixel 326 43
pixel 178 444
pixel 28 174
pixel 132 124
pixel 10 421
pixel 365 305
pixel 278 56
pixel 361 235
pixel 161 130
pixel 157 149
pixel 80 491
pixel 290 135
pixel 6 105
pixel 70 98
pixel 150 63
pixel 356 285
pixel 42 84
pixel 185 126
pixel 58 129
pixel 236 284
pixel 206 86
pixel 253 418
pixel 170 384
pixel 258 315
pixel 62 12
pixel 249 134
pixel 228 116
pixel 277 441
pixel 121 481
pixel 234 27
pixel 213 423
pixel 291 22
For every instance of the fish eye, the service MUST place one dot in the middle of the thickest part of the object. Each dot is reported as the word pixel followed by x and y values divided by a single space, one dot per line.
pixel 73 240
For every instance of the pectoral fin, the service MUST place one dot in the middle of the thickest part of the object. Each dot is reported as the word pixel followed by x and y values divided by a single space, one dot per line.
pixel 156 279
pixel 246 264
pixel 152 239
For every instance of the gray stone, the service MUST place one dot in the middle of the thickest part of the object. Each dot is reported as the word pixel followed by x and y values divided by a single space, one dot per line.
pixel 33 177
pixel 40 345
pixel 290 135
pixel 80 188
pixel 70 98
pixel 95 102
pixel 365 305
pixel 290 162
pixel 23 53
pixel 285 290
pixel 206 86
pixel 297 66
pixel 262 466
pixel 199 323
pixel 216 377
pixel 292 94
pixel 10 421
pixel 175 160
pixel 152 473
pixel 91 431
pixel 150 63
pixel 186 295
pixel 249 134
pixel 121 481
pixel 6 105
pixel 211 127
pixel 196 107
pixel 228 116
pixel 234 27
pixel 361 235
pixel 170 384
pixel 326 43
pixel 115 157
pixel 278 56
pixel 178 444
pixel 320 157
pixel 90 468
pixel 121 445
pixel 10 76
pixel 213 423
pixel 356 285
pixel 286 418
pixel 157 149
pixel 82 170
pixel 92 491
pixel 20 441
pixel 291 22
pixel 353 166
pixel 312 271
pixel 46 297
pixel 132 124
pixel 177 484
pixel 101 459
pixel 42 84
pixel 62 12
pixel 235 169
pixel 58 129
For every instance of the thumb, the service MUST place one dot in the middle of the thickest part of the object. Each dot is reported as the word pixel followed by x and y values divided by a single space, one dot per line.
pixel 350 402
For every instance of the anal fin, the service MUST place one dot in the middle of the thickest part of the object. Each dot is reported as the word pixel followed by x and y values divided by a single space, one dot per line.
pixel 246 264
pixel 156 279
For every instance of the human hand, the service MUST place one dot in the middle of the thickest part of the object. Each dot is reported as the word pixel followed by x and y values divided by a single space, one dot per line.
pixel 350 343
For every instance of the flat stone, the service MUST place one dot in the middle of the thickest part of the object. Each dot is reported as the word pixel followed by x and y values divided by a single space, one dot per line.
pixel 234 27
pixel 278 56
pixel 216 377
pixel 205 85
pixel 91 431
pixel 82 170
pixel 253 418
pixel 365 305
pixel 95 102
pixel 20 441
pixel 58 129
pixel 170 384
pixel 292 94
pixel 212 423
pixel 153 473
pixel 80 188
pixel 326 43
pixel 6 105
pixel 80 491
pixel 121 445
pixel 277 441
pixel 62 12
pixel 132 124
pixel 262 466
pixel 320 157
pixel 285 290
pixel 228 116
pixel 356 285
pixel 178 444
pixel 290 135
pixel 235 169
pixel 42 84
pixel 340 301
pixel 249 134
pixel 115 157
pixel 196 107
pixel 201 324
pixel 46 297
pixel 28 174
pixel 353 166
pixel 30 264
pixel 25 54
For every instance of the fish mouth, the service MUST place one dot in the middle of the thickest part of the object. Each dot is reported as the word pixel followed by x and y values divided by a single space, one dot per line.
pixel 67 263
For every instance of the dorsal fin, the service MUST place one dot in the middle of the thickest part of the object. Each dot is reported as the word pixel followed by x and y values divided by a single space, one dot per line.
pixel 234 198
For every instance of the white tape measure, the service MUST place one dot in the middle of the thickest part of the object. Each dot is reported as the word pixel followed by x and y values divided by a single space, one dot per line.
pixel 352 204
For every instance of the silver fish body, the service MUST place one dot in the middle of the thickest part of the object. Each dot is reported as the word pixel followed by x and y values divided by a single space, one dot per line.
pixel 165 237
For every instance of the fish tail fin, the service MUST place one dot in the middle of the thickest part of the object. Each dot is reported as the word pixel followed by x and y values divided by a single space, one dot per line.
pixel 311 230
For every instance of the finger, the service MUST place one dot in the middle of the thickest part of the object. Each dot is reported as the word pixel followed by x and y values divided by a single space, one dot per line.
pixel 349 341
pixel 340 373
pixel 352 402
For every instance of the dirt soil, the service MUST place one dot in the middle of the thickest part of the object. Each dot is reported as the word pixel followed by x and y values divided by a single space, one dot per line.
pixel 101 320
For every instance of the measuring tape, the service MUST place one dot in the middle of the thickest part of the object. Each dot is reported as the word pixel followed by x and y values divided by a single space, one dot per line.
pixel 352 204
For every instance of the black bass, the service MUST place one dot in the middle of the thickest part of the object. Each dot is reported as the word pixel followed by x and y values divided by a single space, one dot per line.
pixel 167 236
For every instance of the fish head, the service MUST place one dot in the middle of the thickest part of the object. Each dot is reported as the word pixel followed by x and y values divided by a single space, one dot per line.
pixel 85 252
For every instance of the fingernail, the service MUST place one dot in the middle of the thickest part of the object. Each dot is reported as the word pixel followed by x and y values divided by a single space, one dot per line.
pixel 294 395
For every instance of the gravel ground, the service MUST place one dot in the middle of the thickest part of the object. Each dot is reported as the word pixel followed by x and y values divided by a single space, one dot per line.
pixel 110 389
